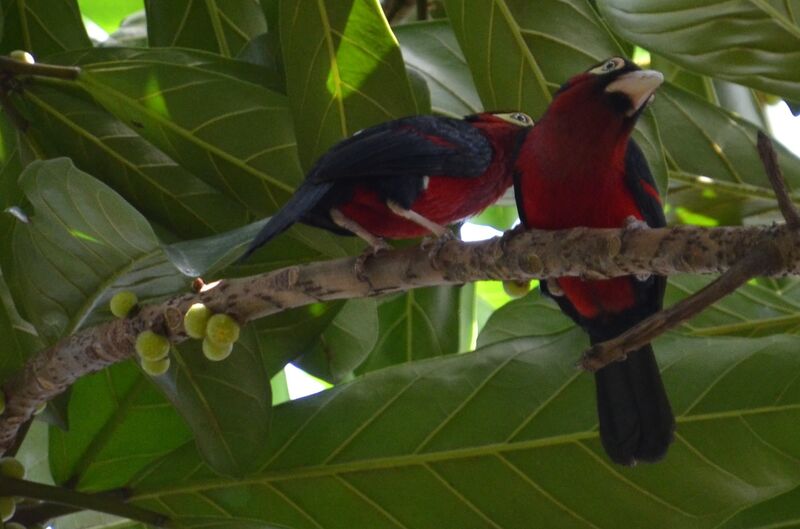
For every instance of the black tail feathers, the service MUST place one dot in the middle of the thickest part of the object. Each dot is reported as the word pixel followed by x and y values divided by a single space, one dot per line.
pixel 636 421
pixel 304 199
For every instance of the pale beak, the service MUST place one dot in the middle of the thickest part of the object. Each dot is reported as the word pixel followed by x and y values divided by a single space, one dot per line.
pixel 639 86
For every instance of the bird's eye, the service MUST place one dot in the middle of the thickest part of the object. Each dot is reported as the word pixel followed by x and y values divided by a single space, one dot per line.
pixel 522 118
pixel 610 65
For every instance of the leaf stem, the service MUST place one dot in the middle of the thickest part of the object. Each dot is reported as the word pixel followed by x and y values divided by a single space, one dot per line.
pixel 15 67
pixel 106 503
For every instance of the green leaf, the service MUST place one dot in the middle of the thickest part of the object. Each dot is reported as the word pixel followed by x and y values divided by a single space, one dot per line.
pixel 32 454
pixel 520 52
pixel 108 15
pixel 67 124
pixel 344 71
pixel 227 404
pixel 415 445
pixel 42 27
pixel 119 424
pixel 532 315
pixel 704 140
pixel 219 27
pixel 20 340
pixel 345 343
pixel 431 49
pixel 83 244
pixel 498 217
pixel 419 324
pixel 156 92
pixel 752 310
pixel 754 43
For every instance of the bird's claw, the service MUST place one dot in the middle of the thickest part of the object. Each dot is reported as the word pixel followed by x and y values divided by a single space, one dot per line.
pixel 553 288
pixel 632 224
pixel 510 234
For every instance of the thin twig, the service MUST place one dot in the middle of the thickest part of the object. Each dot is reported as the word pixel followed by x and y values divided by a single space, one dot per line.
pixel 766 150
pixel 759 262
pixel 106 503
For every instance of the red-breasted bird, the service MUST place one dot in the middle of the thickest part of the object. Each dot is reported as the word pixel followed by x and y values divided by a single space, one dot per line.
pixel 406 178
pixel 579 167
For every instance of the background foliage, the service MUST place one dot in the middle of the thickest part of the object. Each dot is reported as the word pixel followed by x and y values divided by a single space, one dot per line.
pixel 192 120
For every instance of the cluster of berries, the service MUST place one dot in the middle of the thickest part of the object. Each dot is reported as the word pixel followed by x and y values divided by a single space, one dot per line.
pixel 218 331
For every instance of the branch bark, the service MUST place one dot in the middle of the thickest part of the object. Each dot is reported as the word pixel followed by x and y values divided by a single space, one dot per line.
pixel 589 253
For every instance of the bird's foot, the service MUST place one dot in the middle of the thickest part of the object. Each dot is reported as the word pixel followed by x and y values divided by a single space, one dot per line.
pixel 634 224
pixel 553 288
pixel 376 246
pixel 510 234
pixel 435 244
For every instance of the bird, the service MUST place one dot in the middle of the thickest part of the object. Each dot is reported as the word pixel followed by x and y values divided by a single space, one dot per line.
pixel 580 167
pixel 405 178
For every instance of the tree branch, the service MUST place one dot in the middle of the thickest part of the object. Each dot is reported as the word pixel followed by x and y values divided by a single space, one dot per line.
pixel 594 254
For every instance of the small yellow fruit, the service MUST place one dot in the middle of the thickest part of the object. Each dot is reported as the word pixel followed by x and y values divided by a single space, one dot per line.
pixel 12 468
pixel 196 320
pixel 222 329
pixel 122 303
pixel 216 352
pixel 155 368
pixel 516 289
pixel 22 56
pixel 151 346
pixel 7 508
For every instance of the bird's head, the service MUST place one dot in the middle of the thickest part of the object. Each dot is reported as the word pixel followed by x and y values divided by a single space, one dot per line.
pixel 613 92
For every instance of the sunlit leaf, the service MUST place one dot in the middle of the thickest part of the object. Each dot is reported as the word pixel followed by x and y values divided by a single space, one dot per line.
pixel 219 27
pixel 344 71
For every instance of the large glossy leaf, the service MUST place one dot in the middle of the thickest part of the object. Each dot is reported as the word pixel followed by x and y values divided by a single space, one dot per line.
pixel 227 404
pixel 114 152
pixel 752 310
pixel 701 139
pixel 750 42
pixel 519 52
pixel 83 243
pixel 219 27
pixel 213 116
pixel 43 27
pixel 20 339
pixel 507 435
pixel 345 343
pixel 119 424
pixel 344 71
pixel 431 49
pixel 419 324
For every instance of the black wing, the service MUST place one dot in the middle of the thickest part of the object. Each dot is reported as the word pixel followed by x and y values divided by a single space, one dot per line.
pixel 304 199
pixel 411 147
pixel 643 187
